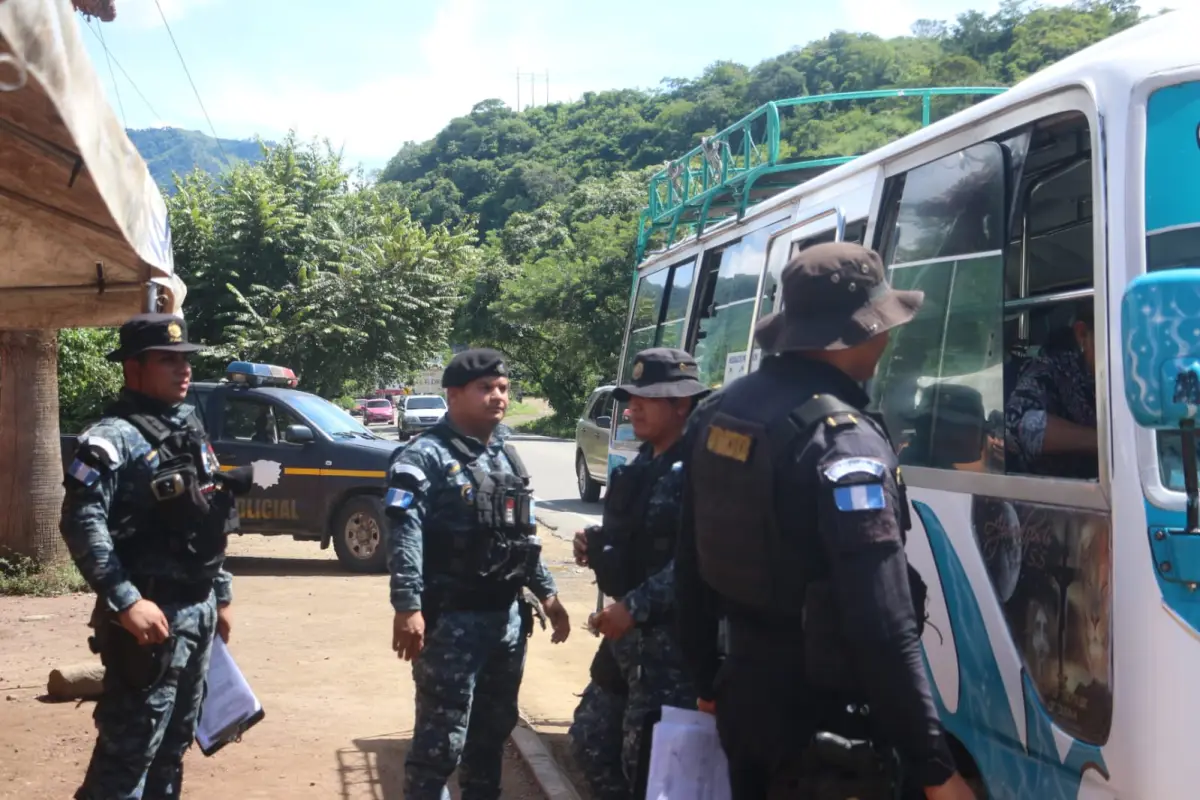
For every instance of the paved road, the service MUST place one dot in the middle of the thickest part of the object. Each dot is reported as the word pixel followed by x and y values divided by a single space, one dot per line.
pixel 551 462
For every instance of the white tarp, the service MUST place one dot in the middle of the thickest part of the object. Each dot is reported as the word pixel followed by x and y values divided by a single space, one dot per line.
pixel 83 227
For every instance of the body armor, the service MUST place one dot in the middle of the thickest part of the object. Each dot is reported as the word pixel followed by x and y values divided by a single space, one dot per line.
pixel 621 552
pixel 191 511
pixel 502 549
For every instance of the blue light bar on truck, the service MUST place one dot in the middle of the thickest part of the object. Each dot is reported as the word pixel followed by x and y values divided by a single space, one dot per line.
pixel 250 374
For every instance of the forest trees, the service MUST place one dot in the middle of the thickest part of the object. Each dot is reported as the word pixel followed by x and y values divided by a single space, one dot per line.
pixel 287 262
pixel 517 230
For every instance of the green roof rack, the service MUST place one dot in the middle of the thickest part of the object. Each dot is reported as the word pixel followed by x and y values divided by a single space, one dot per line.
pixel 732 170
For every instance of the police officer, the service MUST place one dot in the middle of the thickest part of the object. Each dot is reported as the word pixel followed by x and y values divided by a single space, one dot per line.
pixel 146 516
pixel 638 668
pixel 462 545
pixel 793 530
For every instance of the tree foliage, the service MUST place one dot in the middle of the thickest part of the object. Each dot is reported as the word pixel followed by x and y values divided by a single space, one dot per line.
pixel 87 381
pixel 554 192
pixel 288 261
pixel 517 230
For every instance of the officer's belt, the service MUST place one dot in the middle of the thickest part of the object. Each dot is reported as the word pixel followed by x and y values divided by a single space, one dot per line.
pixel 751 635
pixel 488 597
pixel 169 590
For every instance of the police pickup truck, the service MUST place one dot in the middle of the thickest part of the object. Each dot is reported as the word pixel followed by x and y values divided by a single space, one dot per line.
pixel 318 474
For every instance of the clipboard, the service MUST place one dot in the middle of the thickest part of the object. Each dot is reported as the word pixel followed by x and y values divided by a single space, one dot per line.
pixel 230 706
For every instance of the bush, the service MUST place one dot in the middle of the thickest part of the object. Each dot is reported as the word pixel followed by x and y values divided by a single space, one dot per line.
pixel 20 575
pixel 554 425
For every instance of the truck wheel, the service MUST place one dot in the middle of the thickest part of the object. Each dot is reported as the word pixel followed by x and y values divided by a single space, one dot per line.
pixel 589 489
pixel 359 534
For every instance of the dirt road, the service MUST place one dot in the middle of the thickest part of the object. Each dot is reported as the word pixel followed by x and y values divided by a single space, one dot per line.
pixel 314 644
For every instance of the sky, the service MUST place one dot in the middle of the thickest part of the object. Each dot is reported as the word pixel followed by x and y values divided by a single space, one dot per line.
pixel 370 75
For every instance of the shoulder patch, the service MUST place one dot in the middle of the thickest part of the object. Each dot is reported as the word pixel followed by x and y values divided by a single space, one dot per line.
pixel 83 473
pixel 105 450
pixel 855 465
pixel 414 472
pixel 729 444
pixel 860 497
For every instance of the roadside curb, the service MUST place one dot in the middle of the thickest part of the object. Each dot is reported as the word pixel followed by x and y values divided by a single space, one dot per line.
pixel 546 771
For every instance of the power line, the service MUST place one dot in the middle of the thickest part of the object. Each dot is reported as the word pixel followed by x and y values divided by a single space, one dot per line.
pixel 113 76
pixel 149 105
pixel 195 91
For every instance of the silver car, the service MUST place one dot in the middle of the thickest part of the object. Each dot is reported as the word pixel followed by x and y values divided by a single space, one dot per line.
pixel 420 412
pixel 591 443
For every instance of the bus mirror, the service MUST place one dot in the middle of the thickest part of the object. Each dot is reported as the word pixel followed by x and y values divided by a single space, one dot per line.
pixel 1160 330
pixel 1160 334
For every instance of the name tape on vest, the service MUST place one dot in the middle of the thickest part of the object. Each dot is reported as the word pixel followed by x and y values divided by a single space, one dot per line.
pixel 729 444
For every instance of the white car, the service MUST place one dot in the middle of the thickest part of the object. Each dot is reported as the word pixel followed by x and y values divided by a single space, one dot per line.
pixel 420 412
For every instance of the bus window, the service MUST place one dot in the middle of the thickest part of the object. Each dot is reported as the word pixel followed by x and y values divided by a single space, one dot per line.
pixel 1050 391
pixel 659 310
pixel 782 252
pixel 725 308
pixel 940 385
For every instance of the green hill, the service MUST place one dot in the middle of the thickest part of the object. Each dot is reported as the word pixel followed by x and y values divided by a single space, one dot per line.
pixel 172 150
pixel 495 162
pixel 553 193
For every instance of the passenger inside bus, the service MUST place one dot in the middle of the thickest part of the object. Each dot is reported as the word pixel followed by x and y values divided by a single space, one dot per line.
pixel 1050 416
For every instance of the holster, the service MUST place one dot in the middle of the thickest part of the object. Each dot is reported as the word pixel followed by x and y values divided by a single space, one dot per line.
pixel 608 561
pixel 606 672
pixel 835 768
pixel 137 666
pixel 529 609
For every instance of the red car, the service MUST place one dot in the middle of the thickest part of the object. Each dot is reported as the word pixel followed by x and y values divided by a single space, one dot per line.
pixel 379 410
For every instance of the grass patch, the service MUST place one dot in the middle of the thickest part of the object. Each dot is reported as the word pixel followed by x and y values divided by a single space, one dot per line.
pixel 551 425
pixel 519 409
pixel 20 575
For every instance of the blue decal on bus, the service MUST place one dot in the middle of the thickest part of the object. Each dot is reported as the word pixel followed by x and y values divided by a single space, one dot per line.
pixel 984 722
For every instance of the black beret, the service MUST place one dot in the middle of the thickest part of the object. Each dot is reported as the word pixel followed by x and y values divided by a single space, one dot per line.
pixel 472 364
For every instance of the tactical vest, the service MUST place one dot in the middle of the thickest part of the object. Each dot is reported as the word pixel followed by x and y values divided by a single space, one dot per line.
pixel 502 548
pixel 191 515
pixel 734 467
pixel 623 552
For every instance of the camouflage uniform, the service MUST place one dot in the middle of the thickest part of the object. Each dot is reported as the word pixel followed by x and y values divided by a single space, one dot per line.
pixel 608 729
pixel 469 673
pixel 142 734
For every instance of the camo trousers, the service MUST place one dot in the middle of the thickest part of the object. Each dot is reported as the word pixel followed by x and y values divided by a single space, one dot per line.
pixel 143 734
pixel 467 678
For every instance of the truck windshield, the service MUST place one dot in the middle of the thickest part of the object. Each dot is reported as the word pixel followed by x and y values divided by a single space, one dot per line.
pixel 326 416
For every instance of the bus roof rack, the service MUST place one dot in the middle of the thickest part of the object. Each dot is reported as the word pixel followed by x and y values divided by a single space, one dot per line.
pixel 247 373
pixel 740 166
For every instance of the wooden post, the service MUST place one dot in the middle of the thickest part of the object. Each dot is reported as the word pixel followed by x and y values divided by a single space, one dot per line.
pixel 31 468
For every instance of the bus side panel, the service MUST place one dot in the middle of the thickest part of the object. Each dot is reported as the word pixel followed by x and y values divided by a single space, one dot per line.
pixel 988 699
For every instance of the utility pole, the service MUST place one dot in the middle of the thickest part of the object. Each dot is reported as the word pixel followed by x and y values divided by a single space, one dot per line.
pixel 532 89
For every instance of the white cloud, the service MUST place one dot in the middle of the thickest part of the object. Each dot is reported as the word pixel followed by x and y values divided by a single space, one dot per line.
pixel 463 60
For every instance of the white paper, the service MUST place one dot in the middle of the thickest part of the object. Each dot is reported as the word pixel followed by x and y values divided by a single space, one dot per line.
pixel 686 758
pixel 229 700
